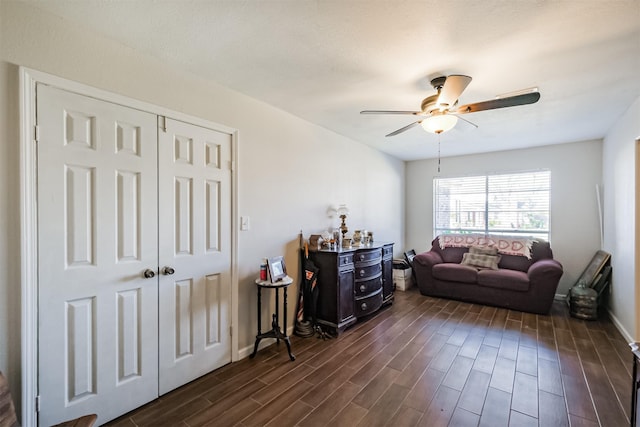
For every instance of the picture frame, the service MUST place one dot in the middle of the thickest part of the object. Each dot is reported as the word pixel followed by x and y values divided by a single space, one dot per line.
pixel 277 268
pixel 590 274
pixel 409 256
pixel 601 281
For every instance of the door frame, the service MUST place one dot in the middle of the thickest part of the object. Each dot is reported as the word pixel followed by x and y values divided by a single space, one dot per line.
pixel 29 226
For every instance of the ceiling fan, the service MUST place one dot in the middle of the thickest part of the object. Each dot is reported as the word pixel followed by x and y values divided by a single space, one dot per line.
pixel 440 112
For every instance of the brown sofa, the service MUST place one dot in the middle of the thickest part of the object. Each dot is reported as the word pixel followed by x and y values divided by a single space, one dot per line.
pixel 519 283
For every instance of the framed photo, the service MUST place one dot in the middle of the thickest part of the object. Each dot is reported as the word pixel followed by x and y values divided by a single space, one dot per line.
pixel 409 256
pixel 277 269
pixel 590 274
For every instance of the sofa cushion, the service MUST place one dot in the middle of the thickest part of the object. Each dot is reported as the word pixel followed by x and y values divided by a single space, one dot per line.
pixel 514 262
pixel 540 249
pixel 455 273
pixel 451 254
pixel 504 279
pixel 481 261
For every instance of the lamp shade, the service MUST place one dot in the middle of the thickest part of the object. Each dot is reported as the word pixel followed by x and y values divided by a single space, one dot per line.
pixel 439 123
pixel 343 210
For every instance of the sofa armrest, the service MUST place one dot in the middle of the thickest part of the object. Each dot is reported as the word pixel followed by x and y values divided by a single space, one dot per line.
pixel 422 267
pixel 544 276
pixel 545 270
pixel 428 259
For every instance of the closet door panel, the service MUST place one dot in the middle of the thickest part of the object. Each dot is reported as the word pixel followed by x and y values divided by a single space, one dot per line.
pixel 97 234
pixel 195 243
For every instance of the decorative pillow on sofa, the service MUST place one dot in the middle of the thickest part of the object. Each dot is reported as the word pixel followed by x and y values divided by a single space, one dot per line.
pixel 481 261
pixel 483 250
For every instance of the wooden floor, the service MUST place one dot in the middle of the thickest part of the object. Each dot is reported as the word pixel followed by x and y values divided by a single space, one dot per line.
pixel 421 362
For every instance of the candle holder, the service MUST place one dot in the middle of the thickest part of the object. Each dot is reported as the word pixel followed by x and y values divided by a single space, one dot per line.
pixel 343 211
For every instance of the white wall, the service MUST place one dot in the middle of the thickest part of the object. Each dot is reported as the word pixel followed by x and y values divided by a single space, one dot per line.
pixel 620 198
pixel 576 169
pixel 290 171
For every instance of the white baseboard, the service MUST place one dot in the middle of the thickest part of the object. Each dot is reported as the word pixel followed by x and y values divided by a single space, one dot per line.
pixel 246 351
pixel 625 334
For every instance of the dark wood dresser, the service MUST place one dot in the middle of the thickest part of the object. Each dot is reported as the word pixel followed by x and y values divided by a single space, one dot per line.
pixel 353 283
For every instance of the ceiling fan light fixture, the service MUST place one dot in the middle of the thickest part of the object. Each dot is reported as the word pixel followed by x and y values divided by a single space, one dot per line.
pixel 439 113
pixel 439 123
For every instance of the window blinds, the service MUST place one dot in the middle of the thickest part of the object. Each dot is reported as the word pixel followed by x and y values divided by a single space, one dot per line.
pixel 507 204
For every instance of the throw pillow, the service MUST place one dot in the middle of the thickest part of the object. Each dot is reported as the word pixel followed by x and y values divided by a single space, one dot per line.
pixel 481 261
pixel 483 250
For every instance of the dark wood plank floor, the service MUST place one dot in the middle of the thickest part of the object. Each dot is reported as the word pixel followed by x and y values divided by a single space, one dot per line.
pixel 421 362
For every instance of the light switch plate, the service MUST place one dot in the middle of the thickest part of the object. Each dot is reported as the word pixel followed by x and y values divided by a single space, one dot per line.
pixel 244 223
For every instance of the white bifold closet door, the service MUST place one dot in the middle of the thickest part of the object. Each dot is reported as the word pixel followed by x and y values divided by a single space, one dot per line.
pixel 133 255
pixel 195 241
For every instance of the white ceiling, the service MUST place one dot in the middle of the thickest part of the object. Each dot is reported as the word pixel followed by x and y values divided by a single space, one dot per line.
pixel 326 60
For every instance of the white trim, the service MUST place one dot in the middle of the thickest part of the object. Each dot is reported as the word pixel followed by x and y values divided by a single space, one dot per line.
pixel 28 249
pixel 28 211
pixel 248 350
pixel 636 260
pixel 92 92
pixel 625 334
pixel 235 352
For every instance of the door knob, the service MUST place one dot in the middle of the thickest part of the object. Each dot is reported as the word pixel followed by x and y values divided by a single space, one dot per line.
pixel 168 271
pixel 148 273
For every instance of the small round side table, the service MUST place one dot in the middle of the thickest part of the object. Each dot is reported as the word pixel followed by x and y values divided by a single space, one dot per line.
pixel 275 332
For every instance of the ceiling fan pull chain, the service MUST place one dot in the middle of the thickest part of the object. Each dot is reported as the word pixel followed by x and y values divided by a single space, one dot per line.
pixel 439 153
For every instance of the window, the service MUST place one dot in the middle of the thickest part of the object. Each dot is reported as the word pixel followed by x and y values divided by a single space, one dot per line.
pixel 507 204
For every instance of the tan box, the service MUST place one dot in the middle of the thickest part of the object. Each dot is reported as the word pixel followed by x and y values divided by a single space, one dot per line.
pixel 402 279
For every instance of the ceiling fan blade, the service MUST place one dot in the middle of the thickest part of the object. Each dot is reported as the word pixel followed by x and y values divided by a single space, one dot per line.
pixel 453 87
pixel 511 101
pixel 465 120
pixel 415 113
pixel 407 127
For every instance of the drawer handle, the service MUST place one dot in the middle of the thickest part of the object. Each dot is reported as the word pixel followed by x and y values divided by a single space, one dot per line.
pixel 363 288
pixel 361 257
pixel 381 280
pixel 362 273
pixel 363 307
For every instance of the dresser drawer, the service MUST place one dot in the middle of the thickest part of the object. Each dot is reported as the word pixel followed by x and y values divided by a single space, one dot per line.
pixel 369 304
pixel 368 255
pixel 387 251
pixel 368 272
pixel 365 287
pixel 345 260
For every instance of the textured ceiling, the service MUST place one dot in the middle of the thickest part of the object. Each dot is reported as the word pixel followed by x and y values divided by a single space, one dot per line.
pixel 325 60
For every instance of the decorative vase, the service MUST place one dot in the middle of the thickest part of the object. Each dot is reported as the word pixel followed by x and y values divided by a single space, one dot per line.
pixel 357 238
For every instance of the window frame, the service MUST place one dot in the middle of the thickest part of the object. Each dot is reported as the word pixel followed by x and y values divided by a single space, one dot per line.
pixel 486 213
